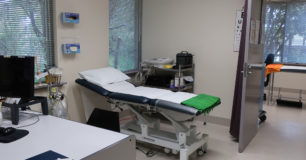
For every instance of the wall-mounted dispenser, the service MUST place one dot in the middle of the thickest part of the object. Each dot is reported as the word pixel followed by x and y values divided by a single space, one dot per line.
pixel 68 17
pixel 72 48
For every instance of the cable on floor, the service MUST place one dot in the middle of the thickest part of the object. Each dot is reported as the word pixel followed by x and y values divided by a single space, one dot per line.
pixel 27 125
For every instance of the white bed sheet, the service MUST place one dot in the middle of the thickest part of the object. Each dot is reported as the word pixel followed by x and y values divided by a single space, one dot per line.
pixel 177 97
pixel 149 92
pixel 128 88
pixel 118 86
pixel 152 93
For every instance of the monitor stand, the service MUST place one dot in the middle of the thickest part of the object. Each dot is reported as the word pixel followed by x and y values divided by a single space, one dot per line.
pixel 19 133
pixel 23 104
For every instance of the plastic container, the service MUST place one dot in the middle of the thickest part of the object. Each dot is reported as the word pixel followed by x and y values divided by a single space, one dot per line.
pixel 179 81
pixel 6 113
pixel 172 84
pixel 60 109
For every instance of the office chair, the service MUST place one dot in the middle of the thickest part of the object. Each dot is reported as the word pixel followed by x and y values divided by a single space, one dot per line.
pixel 269 60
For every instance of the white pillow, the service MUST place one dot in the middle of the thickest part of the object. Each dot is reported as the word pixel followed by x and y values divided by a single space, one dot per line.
pixel 104 76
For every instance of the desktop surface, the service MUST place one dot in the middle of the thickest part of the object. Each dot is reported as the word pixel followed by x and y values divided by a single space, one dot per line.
pixel 71 139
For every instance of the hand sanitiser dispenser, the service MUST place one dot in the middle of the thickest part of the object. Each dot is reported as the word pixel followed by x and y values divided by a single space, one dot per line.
pixel 72 48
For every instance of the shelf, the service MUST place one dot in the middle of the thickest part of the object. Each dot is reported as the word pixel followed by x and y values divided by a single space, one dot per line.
pixel 155 70
pixel 183 68
pixel 45 85
pixel 175 70
pixel 186 87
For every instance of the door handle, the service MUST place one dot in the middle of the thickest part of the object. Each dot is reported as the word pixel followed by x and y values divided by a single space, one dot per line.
pixel 249 72
pixel 247 69
pixel 250 66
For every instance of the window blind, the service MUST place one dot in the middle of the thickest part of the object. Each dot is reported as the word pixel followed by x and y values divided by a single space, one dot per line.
pixel 26 29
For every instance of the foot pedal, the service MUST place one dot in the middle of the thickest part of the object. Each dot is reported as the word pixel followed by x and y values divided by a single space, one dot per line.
pixel 281 102
pixel 262 116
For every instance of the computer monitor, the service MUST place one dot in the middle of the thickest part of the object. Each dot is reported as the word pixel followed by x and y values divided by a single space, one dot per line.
pixel 17 77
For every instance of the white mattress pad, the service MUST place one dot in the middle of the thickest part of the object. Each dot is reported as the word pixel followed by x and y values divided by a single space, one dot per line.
pixel 118 86
pixel 149 92
pixel 152 93
pixel 177 97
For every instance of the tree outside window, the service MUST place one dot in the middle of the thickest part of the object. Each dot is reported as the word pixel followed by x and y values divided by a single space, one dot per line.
pixel 124 34
pixel 285 32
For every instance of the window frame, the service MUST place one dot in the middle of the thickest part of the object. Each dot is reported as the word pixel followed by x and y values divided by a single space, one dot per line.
pixel 51 35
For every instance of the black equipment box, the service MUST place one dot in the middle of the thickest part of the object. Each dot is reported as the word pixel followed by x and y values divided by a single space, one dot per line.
pixel 184 59
pixel 159 81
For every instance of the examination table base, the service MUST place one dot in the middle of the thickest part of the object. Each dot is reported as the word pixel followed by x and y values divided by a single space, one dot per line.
pixel 185 140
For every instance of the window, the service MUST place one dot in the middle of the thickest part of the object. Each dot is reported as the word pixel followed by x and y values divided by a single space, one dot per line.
pixel 285 32
pixel 124 34
pixel 26 30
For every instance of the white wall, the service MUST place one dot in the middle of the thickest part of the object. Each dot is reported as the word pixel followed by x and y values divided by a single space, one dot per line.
pixel 290 80
pixel 204 28
pixel 290 84
pixel 92 34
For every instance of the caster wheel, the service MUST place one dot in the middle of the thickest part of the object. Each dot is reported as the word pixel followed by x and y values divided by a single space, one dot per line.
pixel 263 118
pixel 167 150
pixel 175 152
pixel 150 154
pixel 200 152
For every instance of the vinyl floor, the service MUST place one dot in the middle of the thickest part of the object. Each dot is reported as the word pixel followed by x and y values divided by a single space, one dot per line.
pixel 281 137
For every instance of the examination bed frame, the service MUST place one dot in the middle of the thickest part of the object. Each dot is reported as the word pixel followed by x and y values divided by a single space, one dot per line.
pixel 184 140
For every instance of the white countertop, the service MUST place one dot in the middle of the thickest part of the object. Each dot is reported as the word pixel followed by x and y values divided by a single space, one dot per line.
pixel 71 139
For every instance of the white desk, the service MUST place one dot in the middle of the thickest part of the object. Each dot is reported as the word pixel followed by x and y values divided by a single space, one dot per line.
pixel 71 139
pixel 285 68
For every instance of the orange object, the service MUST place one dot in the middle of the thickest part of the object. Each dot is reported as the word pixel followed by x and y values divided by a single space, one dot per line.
pixel 54 79
pixel 37 66
pixel 271 68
